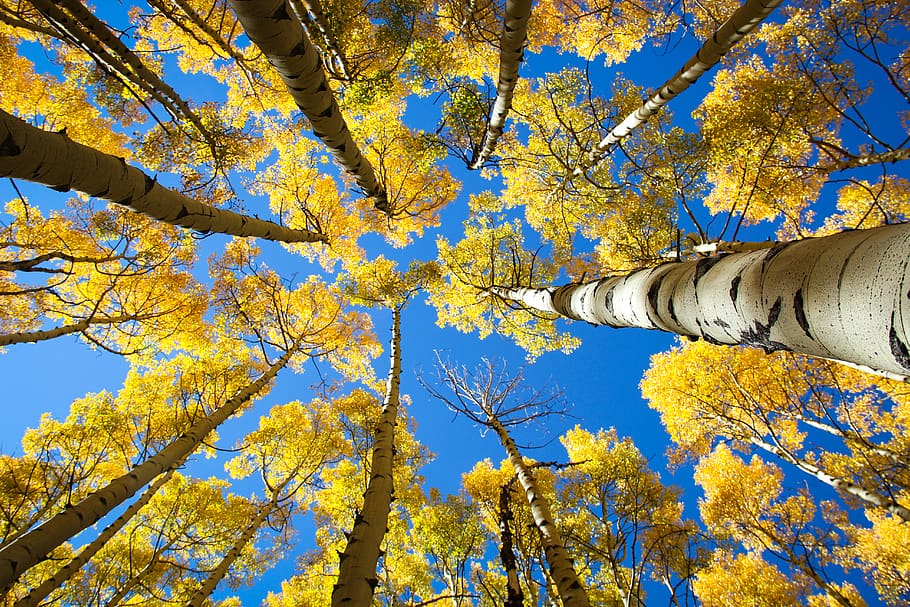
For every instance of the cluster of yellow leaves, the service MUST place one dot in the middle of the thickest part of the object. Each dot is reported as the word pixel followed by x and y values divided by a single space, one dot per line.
pixel 53 103
pixel 745 579
pixel 256 301
pixel 126 275
pixel 492 253
pixel 758 121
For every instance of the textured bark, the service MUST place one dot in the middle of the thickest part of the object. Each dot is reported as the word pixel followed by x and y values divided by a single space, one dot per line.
pixel 217 574
pixel 841 297
pixel 511 52
pixel 269 25
pixel 36 336
pixel 357 569
pixel 844 486
pixel 39 593
pixel 54 160
pixel 514 595
pixel 562 571
pixel 34 546
pixel 732 31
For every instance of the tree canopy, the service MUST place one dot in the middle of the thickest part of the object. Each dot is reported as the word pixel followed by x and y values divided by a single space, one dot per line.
pixel 261 251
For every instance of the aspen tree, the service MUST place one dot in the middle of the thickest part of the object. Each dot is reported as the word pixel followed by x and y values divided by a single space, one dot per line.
pixel 491 398
pixel 271 27
pixel 54 160
pixel 32 547
pixel 511 51
pixel 813 296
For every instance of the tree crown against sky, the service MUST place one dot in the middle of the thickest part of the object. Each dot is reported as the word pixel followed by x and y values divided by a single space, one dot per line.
pixel 256 199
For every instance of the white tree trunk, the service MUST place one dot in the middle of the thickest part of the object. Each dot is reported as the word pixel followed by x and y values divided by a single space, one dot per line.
pixel 562 571
pixel 311 10
pixel 152 82
pixel 269 24
pixel 34 546
pixel 732 31
pixel 843 297
pixel 511 51
pixel 54 160
pixel 357 569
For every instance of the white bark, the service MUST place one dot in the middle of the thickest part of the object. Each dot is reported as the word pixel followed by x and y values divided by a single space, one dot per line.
pixel 34 546
pixel 511 52
pixel 38 594
pixel 562 571
pixel 269 25
pixel 842 297
pixel 732 31
pixel 357 569
pixel 54 160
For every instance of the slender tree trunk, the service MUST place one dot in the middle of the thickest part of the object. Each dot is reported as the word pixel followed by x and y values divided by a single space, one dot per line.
pixel 36 336
pixel 511 52
pixel 514 595
pixel 102 32
pixel 562 571
pixel 732 31
pixel 842 485
pixel 71 31
pixel 39 593
pixel 854 439
pixel 269 25
pixel 853 162
pixel 34 546
pixel 357 570
pixel 841 297
pixel 54 160
pixel 217 574
pixel 312 11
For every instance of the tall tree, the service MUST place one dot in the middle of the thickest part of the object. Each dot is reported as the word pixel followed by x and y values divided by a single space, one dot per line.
pixel 31 548
pixel 491 398
pixel 282 39
pixel 56 161
pixel 812 296
pixel 511 51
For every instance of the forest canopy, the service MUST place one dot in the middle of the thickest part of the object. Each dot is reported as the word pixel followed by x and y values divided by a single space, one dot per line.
pixel 328 272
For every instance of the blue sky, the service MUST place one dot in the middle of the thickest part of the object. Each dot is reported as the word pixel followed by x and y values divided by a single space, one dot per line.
pixel 600 378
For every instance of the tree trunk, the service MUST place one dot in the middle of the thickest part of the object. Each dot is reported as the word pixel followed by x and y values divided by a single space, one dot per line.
pixel 514 595
pixel 844 486
pixel 357 569
pixel 34 546
pixel 102 32
pixel 732 31
pixel 269 25
pixel 36 595
pixel 562 571
pixel 54 160
pixel 311 10
pixel 25 337
pixel 841 297
pixel 511 53
pixel 217 574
